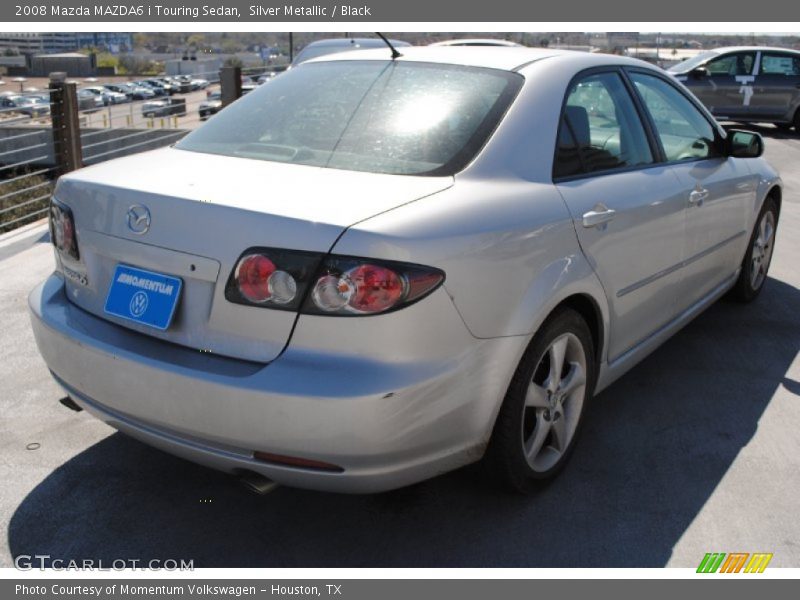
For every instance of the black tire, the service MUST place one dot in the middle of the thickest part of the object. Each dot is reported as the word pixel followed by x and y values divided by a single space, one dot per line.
pixel 745 289
pixel 505 459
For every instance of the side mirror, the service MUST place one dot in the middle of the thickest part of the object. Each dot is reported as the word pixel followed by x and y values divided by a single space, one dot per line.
pixel 744 144
pixel 698 73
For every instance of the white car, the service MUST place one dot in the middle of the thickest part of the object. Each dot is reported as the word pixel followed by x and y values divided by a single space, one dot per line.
pixel 107 96
pixel 355 288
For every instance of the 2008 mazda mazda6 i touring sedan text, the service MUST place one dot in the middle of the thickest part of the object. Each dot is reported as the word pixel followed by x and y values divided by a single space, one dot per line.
pixel 456 249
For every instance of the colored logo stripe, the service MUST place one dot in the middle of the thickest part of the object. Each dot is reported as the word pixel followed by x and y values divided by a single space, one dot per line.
pixel 758 562
pixel 735 562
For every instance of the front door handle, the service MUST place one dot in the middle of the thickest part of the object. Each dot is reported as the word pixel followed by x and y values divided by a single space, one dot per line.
pixel 698 196
pixel 599 215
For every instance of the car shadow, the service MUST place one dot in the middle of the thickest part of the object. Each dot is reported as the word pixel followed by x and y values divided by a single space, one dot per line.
pixel 655 446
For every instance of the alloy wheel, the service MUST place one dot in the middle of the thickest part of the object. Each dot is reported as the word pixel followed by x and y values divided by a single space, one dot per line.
pixel 762 250
pixel 553 402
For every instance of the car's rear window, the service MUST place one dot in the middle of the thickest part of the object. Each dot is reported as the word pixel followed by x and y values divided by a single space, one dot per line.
pixel 382 117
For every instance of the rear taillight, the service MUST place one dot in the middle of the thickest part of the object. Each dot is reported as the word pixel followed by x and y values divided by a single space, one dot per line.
pixel 62 229
pixel 327 285
pixel 358 286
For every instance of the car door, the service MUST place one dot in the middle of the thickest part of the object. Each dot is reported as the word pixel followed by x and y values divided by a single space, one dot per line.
pixel 627 209
pixel 777 86
pixel 730 79
pixel 718 191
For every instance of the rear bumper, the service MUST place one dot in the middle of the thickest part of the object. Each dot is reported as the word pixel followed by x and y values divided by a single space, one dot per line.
pixel 386 424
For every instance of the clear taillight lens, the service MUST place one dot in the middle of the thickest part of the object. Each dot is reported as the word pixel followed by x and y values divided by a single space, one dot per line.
pixel 62 229
pixel 327 285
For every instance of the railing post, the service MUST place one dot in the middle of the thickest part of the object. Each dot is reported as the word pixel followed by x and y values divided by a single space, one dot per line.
pixel 66 124
pixel 230 81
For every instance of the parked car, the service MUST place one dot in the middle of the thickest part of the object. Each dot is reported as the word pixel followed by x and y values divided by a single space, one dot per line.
pixel 457 250
pixel 156 89
pixel 161 87
pixel 89 101
pixel 192 83
pixel 167 84
pixel 181 85
pixel 164 107
pixel 133 92
pixel 107 96
pixel 336 45
pixel 746 83
pixel 25 105
pixel 211 105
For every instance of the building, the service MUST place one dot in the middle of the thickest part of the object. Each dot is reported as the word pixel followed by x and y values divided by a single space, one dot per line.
pixel 49 43
pixel 73 64
pixel 109 41
pixel 207 68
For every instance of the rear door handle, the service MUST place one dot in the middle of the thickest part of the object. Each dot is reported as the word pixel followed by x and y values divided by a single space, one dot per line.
pixel 599 215
pixel 697 197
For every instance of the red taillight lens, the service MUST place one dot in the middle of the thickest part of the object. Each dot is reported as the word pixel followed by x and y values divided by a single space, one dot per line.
pixel 330 285
pixel 252 277
pixel 62 229
pixel 354 286
pixel 271 277
pixel 376 288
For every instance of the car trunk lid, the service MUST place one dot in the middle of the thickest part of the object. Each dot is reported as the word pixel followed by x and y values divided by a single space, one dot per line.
pixel 204 212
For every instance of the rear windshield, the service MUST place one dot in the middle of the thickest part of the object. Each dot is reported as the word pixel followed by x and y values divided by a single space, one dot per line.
pixel 381 117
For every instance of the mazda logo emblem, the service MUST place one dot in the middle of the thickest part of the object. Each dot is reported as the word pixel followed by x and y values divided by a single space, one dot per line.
pixel 138 219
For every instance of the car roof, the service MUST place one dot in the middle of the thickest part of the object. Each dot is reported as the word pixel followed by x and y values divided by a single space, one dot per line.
pixel 477 42
pixel 726 49
pixel 493 57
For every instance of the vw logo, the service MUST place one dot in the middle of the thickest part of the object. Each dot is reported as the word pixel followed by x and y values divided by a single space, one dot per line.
pixel 138 219
pixel 138 304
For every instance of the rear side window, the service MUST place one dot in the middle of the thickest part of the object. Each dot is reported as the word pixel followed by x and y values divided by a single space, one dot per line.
pixel 780 64
pixel 600 129
pixel 684 132
pixel 740 63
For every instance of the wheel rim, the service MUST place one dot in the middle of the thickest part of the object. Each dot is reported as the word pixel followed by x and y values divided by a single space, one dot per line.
pixel 553 402
pixel 761 253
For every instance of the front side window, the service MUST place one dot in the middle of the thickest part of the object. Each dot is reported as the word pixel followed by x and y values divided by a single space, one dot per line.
pixel 684 132
pixel 600 129
pixel 780 64
pixel 377 116
pixel 740 63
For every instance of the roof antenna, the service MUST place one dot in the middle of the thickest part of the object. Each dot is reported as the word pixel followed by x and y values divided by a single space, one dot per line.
pixel 395 53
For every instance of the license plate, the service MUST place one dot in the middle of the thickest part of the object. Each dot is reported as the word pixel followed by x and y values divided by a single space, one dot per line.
pixel 143 296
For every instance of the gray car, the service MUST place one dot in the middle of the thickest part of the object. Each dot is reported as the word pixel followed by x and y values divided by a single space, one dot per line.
pixel 746 83
pixel 454 252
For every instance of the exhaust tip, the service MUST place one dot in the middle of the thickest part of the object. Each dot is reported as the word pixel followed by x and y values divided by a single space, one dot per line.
pixel 257 483
pixel 70 404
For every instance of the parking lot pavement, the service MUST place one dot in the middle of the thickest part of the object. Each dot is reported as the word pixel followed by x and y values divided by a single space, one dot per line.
pixel 696 450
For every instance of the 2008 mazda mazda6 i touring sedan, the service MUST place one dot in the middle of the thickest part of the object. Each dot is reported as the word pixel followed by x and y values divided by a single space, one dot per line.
pixel 454 250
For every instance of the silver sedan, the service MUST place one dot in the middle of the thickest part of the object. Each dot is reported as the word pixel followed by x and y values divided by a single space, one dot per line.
pixel 374 270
